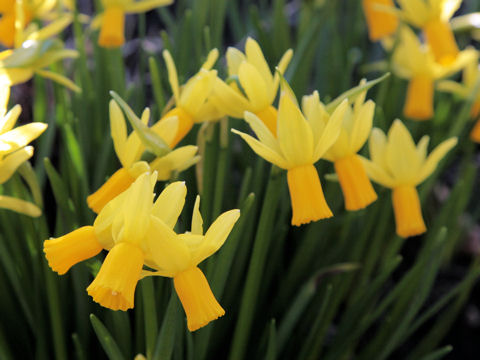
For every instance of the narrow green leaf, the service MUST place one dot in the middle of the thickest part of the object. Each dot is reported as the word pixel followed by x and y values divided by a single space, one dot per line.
pixel 106 339
pixel 166 336
pixel 272 342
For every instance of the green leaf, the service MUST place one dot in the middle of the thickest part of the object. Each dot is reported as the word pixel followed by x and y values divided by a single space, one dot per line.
pixel 272 342
pixel 106 339
pixel 166 336
pixel 152 141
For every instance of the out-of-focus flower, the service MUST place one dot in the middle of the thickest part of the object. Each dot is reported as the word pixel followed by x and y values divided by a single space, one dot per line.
pixel 178 256
pixel 415 62
pixel 356 127
pixel 14 150
pixel 19 65
pixel 299 143
pixel 471 75
pixel 251 86
pixel 121 228
pixel 381 23
pixel 192 99
pixel 432 17
pixel 129 150
pixel 397 163
pixel 112 20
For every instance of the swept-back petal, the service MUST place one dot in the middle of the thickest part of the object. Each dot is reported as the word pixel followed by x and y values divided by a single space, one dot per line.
pixel 216 235
pixel 262 131
pixel 118 130
pixel 434 158
pixel 19 206
pixel 234 58
pixel 8 121
pixel 11 162
pixel 228 100
pixel 263 150
pixel 4 96
pixel 172 75
pixel 170 202
pixel 255 57
pixel 145 5
pixel 362 125
pixel 422 147
pixel 376 146
pixel 254 86
pixel 211 59
pixel 315 114
pixel 378 174
pixel 176 160
pixel 294 133
pixel 166 128
pixel 196 91
pixel 197 221
pixel 281 67
pixel 20 136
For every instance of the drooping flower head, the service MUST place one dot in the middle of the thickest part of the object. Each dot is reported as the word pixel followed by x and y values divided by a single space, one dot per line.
pixel 415 62
pixel 129 150
pixel 112 20
pixel 298 143
pixel 19 65
pixel 381 23
pixel 192 99
pixel 251 86
pixel 397 163
pixel 178 255
pixel 120 228
pixel 14 150
pixel 356 126
pixel 432 17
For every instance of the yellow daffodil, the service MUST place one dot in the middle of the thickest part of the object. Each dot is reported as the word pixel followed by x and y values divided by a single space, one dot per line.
pixel 112 20
pixel 357 124
pixel 432 17
pixel 297 144
pixel 380 23
pixel 251 85
pixel 14 150
pixel 121 228
pixel 129 150
pixel 415 62
pixel 397 163
pixel 19 65
pixel 192 100
pixel 178 255
pixel 471 75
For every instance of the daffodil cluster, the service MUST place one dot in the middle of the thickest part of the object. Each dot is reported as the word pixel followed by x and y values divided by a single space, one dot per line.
pixel 138 234
pixel 14 150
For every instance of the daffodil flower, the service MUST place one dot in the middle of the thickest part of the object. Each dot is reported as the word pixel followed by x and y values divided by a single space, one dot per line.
pixel 14 150
pixel 297 144
pixel 112 20
pixel 356 126
pixel 120 228
pixel 129 150
pixel 177 256
pixel 192 100
pixel 471 75
pixel 415 62
pixel 251 86
pixel 397 163
pixel 19 65
pixel 432 17
pixel 380 23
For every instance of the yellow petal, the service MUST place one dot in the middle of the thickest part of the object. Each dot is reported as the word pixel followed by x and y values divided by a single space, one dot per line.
pixel 261 130
pixel 11 162
pixel 10 119
pixel 422 148
pixel 362 125
pixel 281 67
pixel 177 160
pixel 19 206
pixel 378 174
pixel 197 221
pixel 196 91
pixel 315 114
pixel 376 146
pixel 263 150
pixel 211 59
pixel 434 158
pixel 20 137
pixel 14 76
pixel 401 154
pixel 170 202
pixel 166 128
pixel 255 57
pixel 331 132
pixel 164 248
pixel 53 28
pixel 254 86
pixel 60 79
pixel 294 133
pixel 228 100
pixel 118 130
pixel 216 235
pixel 172 75
pixel 145 5
pixel 234 58
pixel 4 96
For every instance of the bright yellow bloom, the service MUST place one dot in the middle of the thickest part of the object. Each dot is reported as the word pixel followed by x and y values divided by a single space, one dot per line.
pixel 415 62
pixel 19 65
pixel 14 150
pixel 380 23
pixel 178 256
pixel 129 150
pixel 357 124
pixel 299 143
pixel 432 17
pixel 112 20
pixel 121 228
pixel 471 74
pixel 397 163
pixel 256 88
pixel 192 99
